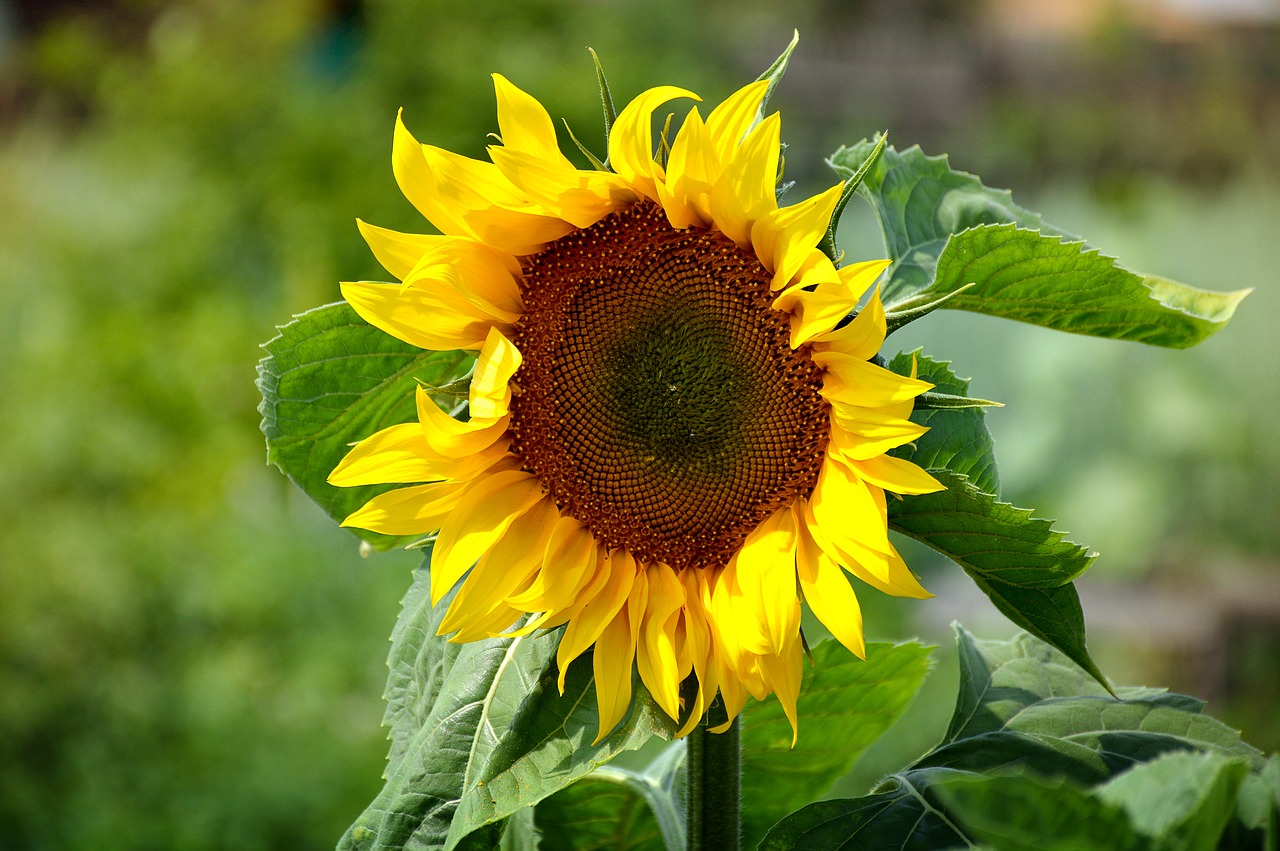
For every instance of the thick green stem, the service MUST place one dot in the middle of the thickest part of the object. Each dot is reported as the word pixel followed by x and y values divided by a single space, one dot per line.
pixel 713 800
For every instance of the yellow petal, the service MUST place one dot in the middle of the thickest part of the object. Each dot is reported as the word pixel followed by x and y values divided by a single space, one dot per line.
pixel 746 191
pixel 525 125
pixel 415 510
pixel 453 438
pixel 612 663
pixel 685 193
pixel 586 625
pixel 418 182
pixel 631 139
pixel 729 122
pixel 395 455
pixel 766 571
pixel 483 515
pixel 829 594
pixel 783 673
pixel 581 198
pixel 846 509
pixel 859 277
pixel 784 237
pixel 657 657
pixel 816 313
pixel 862 337
pixel 897 475
pixel 738 629
pixel 505 567
pixel 861 433
pixel 494 623
pixel 477 272
pixel 491 383
pixel 440 320
pixel 860 382
pixel 487 206
pixel 884 571
pixel 566 568
pixel 397 252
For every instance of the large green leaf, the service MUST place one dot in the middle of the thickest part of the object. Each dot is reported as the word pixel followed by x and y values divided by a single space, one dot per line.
pixel 998 679
pixel 479 731
pixel 991 540
pixel 944 229
pixel 957 439
pixel 331 379
pixel 620 810
pixel 845 704
pixel 920 201
pixel 1024 708
pixel 1041 279
pixel 1017 560
pixel 903 813
pixel 1181 801
pixel 1019 813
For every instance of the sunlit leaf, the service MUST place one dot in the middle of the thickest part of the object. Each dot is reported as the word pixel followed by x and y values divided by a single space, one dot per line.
pixel 920 201
pixel 1041 279
pixel 331 379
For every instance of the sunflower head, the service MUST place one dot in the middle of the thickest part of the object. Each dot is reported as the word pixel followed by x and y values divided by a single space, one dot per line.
pixel 674 433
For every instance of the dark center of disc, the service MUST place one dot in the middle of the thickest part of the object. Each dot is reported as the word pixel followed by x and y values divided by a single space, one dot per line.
pixel 659 400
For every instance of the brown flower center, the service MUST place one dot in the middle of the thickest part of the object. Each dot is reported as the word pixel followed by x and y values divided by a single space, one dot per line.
pixel 659 399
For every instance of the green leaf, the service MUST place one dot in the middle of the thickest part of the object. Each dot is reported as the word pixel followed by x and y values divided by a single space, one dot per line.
pixel 1017 560
pixel 1131 730
pixel 446 705
pixel 1018 710
pixel 1038 278
pixel 998 679
pixel 944 229
pixel 903 814
pixel 619 809
pixel 775 72
pixel 596 814
pixel 845 704
pixel 1259 804
pixel 520 833
pixel 547 745
pixel 958 439
pixel 1017 813
pixel 1182 801
pixel 479 731
pixel 920 201
pixel 991 540
pixel 330 379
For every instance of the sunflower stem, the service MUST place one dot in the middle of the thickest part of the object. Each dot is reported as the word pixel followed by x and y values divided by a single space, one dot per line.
pixel 713 799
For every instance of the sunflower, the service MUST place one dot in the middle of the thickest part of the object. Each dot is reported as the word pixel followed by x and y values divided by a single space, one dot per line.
pixel 673 435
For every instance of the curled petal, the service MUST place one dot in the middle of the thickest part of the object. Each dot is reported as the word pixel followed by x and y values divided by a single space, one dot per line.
pixel 631 140
pixel 525 125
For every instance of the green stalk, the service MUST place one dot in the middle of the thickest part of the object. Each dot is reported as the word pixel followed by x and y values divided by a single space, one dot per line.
pixel 714 766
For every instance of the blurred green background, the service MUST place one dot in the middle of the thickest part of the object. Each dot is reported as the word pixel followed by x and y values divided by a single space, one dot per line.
pixel 191 655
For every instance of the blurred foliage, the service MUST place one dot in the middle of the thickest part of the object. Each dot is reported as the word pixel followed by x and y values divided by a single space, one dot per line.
pixel 191 656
